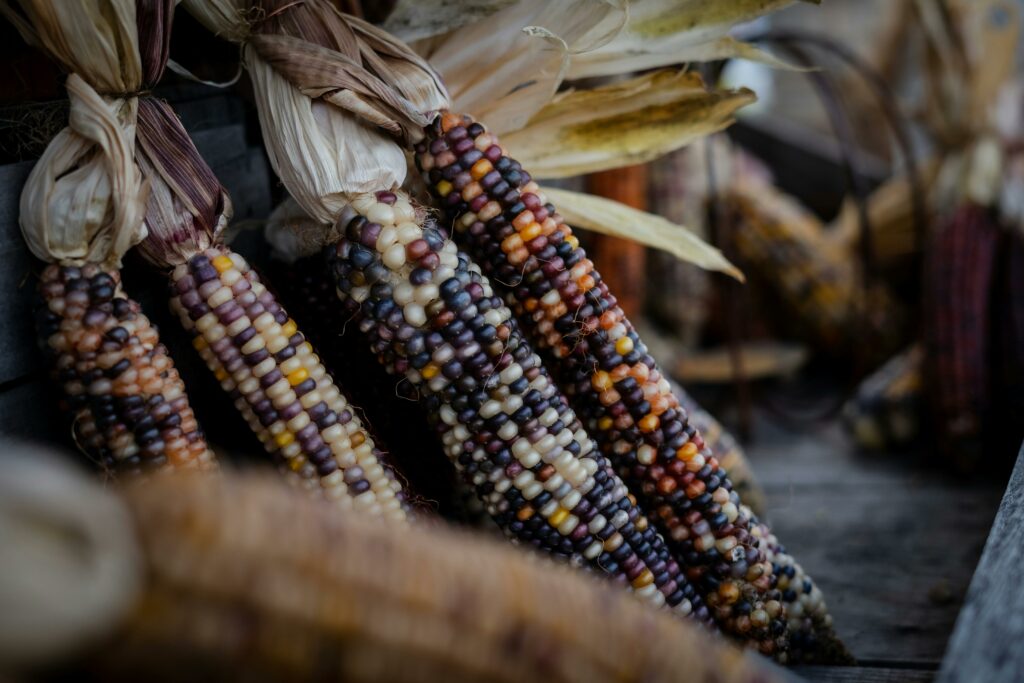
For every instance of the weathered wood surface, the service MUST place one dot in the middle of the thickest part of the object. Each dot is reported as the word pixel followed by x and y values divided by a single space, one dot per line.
pixel 988 641
pixel 890 539
pixel 864 674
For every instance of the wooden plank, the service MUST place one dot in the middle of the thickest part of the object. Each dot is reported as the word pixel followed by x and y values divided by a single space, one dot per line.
pixel 20 354
pixel 863 674
pixel 986 643
pixel 891 541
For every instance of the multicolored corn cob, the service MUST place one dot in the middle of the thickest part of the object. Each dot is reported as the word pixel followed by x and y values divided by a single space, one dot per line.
pixel 131 414
pixel 502 218
pixel 279 384
pixel 246 338
pixel 725 449
pixel 433 319
pixel 885 409
pixel 959 278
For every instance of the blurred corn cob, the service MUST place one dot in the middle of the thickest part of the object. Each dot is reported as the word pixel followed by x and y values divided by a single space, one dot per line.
pixel 128 402
pixel 816 280
pixel 886 408
pixel 502 217
pixel 959 278
pixel 433 319
pixel 195 584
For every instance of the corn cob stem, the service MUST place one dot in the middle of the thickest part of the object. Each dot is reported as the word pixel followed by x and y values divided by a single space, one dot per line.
pixel 433 319
pixel 349 600
pixel 502 217
pixel 131 414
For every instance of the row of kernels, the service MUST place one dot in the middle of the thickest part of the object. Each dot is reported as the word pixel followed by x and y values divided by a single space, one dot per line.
pixel 264 362
pixel 555 289
pixel 131 411
pixel 502 421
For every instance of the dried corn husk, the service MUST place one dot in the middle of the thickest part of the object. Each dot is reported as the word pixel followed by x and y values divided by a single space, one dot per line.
pixel 614 218
pixel 629 122
pixel 344 599
pixel 84 200
pixel 664 32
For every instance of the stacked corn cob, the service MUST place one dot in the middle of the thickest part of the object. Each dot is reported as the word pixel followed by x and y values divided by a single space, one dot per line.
pixel 247 340
pixel 130 410
pixel 503 219
pixel 250 343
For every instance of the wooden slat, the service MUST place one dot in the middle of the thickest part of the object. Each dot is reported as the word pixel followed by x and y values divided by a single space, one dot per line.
pixel 891 540
pixel 863 674
pixel 987 641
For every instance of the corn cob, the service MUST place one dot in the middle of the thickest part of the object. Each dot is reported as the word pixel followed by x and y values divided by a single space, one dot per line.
pixel 433 318
pixel 501 216
pixel 884 411
pixel 784 244
pixel 197 585
pixel 81 210
pixel 308 291
pixel 131 414
pixel 725 449
pixel 959 275
pixel 246 338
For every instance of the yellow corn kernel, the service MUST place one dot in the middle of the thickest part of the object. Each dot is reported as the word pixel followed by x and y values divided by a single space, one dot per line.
pixel 443 188
pixel 222 263
pixel 289 328
pixel 558 516
pixel 298 376
pixel 430 371
pixel 284 438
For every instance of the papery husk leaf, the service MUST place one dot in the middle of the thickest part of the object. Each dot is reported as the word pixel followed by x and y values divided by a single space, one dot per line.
pixel 660 32
pixel 336 57
pixel 340 155
pixel 188 207
pixel 631 122
pixel 85 199
pixel 725 47
pixel 413 20
pixel 505 68
pixel 96 39
pixel 609 217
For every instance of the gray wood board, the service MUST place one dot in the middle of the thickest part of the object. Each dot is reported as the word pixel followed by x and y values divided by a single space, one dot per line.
pixel 891 542
pixel 863 674
pixel 987 642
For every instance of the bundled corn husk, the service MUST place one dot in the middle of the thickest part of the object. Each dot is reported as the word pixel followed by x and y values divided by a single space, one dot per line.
pixel 82 208
pixel 190 580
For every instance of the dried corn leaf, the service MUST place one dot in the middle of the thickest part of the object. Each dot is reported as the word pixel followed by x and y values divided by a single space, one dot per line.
pixel 412 20
pixel 609 217
pixel 583 131
pixel 504 69
pixel 665 32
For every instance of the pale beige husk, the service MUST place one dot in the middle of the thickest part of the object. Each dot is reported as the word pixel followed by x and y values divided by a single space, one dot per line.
pixel 609 217
pixel 628 122
pixel 85 199
pixel 664 32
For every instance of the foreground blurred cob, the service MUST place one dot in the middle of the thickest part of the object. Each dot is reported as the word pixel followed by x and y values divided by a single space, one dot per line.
pixel 247 340
pixel 81 210
pixel 344 599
